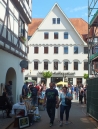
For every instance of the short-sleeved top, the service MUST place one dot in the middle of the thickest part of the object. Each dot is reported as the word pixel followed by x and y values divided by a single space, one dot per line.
pixel 26 89
pixel 51 95
pixel 62 96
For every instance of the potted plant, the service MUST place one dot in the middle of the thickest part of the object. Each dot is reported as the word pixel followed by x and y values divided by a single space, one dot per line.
pixel 22 39
pixel 47 75
pixel 86 76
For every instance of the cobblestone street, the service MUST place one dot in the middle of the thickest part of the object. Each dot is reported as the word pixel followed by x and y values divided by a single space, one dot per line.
pixel 78 118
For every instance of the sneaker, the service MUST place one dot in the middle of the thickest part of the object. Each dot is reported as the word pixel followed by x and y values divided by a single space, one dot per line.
pixel 67 122
pixel 51 124
pixel 61 123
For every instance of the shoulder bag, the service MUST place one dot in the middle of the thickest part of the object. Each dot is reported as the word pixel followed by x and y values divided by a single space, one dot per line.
pixel 67 101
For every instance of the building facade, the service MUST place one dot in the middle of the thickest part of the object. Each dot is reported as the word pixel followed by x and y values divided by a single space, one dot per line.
pixel 14 20
pixel 58 45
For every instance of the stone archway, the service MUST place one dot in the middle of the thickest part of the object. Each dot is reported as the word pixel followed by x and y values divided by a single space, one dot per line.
pixel 11 76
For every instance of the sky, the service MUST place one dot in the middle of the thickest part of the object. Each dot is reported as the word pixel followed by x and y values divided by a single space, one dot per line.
pixel 71 8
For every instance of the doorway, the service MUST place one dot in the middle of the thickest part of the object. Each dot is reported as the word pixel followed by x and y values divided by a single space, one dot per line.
pixel 78 81
pixel 11 76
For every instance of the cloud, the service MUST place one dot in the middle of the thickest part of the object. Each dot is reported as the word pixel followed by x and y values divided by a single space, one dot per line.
pixel 85 14
pixel 78 8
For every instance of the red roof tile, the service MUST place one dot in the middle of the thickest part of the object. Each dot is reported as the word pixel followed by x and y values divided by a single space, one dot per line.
pixel 34 25
pixel 81 26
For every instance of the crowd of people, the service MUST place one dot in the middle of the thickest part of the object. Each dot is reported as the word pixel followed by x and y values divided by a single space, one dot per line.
pixel 34 91
pixel 79 92
pixel 53 97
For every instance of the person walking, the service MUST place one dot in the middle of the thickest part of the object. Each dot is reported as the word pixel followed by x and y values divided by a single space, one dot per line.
pixel 51 100
pixel 34 93
pixel 64 106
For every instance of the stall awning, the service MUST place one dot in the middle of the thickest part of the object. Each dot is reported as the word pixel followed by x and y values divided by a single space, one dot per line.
pixel 94 18
pixel 93 57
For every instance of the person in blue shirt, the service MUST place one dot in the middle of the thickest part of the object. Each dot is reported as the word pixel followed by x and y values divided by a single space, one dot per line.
pixel 63 106
pixel 25 90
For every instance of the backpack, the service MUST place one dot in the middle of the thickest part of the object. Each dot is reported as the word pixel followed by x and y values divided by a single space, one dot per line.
pixel 34 91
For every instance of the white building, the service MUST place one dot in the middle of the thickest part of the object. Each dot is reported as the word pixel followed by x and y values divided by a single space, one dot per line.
pixel 57 45
pixel 14 19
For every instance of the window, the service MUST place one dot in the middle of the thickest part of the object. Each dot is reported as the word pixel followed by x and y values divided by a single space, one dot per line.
pixel 35 65
pixel 45 50
pixel 56 35
pixel 26 78
pixel 75 65
pixel 75 50
pixel 65 35
pixel 45 65
pixel 55 65
pixel 46 35
pixel 85 65
pixel 95 40
pixel 85 50
pixel 58 20
pixel 54 20
pixel 65 65
pixel 35 49
pixel 79 81
pixel 55 50
pixel 65 50
pixel 95 50
pixel 21 27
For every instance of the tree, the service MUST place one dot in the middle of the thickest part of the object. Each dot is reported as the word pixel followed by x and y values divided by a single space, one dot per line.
pixel 86 76
pixel 47 74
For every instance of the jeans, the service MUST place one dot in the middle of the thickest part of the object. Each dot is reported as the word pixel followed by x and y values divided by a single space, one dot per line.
pixel 51 111
pixel 66 109
pixel 34 100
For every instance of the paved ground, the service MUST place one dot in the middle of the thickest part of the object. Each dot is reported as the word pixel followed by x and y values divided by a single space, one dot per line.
pixel 5 122
pixel 78 119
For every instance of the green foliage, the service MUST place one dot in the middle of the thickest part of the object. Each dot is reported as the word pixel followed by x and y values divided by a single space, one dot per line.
pixel 22 38
pixel 47 74
pixel 86 76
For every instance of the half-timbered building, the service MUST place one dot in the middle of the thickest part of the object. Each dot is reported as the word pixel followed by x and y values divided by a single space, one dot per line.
pixel 15 15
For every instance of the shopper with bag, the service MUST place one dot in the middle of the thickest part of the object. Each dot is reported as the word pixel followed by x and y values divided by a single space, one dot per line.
pixel 65 100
